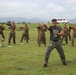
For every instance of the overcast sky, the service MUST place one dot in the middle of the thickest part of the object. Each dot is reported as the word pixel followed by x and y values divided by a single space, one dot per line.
pixel 45 9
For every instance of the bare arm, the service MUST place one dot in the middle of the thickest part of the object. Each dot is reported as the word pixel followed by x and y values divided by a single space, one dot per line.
pixel 61 33
pixel 48 27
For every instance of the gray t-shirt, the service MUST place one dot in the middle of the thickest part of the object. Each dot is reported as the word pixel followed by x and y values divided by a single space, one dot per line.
pixel 54 33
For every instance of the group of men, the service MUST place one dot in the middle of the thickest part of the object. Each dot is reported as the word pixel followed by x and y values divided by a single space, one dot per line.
pixel 42 28
pixel 68 36
pixel 67 33
pixel 12 28
pixel 57 35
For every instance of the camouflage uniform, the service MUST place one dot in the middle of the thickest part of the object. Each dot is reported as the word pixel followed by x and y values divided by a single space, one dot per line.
pixel 25 34
pixel 12 33
pixel 41 35
pixel 73 35
pixel 1 32
pixel 66 34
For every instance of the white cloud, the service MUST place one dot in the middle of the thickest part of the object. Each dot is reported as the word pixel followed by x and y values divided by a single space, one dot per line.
pixel 45 9
pixel 17 9
pixel 72 1
pixel 71 9
pixel 55 8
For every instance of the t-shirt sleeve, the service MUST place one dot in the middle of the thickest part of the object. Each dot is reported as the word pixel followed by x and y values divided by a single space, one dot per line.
pixel 50 28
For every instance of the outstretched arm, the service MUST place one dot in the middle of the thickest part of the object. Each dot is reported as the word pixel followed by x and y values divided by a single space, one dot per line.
pixel 48 27
pixel 61 33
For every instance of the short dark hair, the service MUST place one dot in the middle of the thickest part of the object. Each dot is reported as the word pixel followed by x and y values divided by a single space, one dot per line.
pixel 54 20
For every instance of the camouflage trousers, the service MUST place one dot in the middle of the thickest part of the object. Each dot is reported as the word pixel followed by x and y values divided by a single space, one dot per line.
pixel 2 35
pixel 41 39
pixel 11 35
pixel 25 36
pixel 58 46
pixel 66 38
pixel 73 37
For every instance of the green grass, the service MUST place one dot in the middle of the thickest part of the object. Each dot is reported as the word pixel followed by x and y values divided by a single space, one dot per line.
pixel 28 59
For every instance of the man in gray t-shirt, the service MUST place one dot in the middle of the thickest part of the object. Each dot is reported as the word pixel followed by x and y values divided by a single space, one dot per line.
pixel 54 30
pixel 55 33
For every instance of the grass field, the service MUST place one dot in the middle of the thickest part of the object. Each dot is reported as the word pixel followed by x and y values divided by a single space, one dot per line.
pixel 28 59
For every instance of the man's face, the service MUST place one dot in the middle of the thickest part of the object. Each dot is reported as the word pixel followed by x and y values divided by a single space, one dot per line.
pixel 54 23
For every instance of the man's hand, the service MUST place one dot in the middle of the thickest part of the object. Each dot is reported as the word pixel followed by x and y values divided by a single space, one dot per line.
pixel 61 33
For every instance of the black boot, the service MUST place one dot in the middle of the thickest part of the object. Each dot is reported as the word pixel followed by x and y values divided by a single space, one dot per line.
pixel 45 65
pixel 64 62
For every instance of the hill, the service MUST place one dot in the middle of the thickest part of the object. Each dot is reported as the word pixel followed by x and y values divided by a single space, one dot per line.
pixel 21 19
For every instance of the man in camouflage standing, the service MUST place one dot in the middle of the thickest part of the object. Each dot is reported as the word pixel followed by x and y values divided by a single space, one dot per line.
pixel 1 31
pixel 42 28
pixel 73 34
pixel 55 33
pixel 12 28
pixel 25 34
pixel 66 33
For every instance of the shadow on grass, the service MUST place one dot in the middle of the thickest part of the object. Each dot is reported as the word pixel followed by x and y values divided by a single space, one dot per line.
pixel 71 62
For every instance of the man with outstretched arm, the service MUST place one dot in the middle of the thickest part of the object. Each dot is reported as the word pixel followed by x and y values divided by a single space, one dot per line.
pixel 12 28
pixel 25 34
pixel 55 42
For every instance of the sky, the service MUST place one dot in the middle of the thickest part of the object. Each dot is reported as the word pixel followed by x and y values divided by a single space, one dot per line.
pixel 44 9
